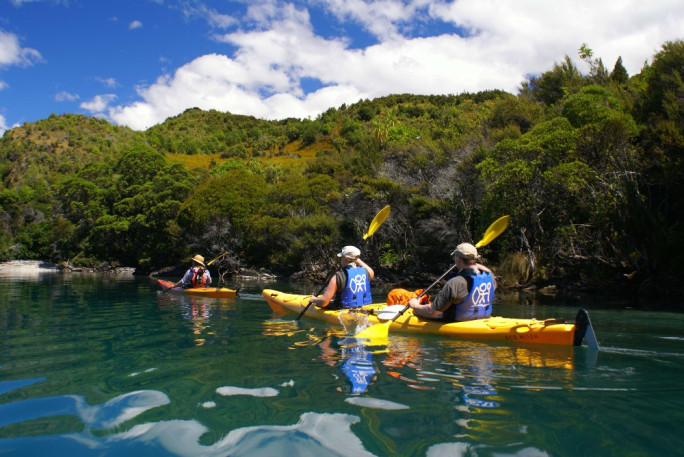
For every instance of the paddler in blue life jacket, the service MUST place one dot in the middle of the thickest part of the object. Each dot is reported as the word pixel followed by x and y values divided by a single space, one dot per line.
pixel 466 296
pixel 197 275
pixel 349 287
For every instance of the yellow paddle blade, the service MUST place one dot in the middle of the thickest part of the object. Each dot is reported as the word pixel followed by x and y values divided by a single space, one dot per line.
pixel 214 260
pixel 375 333
pixel 377 221
pixel 494 230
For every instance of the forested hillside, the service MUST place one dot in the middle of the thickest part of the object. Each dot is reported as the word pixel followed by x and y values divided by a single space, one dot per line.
pixel 586 161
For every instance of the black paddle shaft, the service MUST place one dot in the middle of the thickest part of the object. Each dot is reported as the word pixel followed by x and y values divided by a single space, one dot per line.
pixel 424 292
pixel 306 308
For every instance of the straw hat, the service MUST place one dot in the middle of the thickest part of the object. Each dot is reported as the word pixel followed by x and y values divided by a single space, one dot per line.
pixel 198 259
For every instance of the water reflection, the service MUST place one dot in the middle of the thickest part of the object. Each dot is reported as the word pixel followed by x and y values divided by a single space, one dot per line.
pixel 354 356
pixel 313 434
pixel 105 416
pixel 199 311
pixel 228 391
pixel 7 386
pixel 355 359
pixel 472 367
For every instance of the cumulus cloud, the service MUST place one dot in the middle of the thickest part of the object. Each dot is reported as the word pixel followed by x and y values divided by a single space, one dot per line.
pixel 98 104
pixel 135 25
pixel 11 52
pixel 3 125
pixel 482 44
pixel 384 19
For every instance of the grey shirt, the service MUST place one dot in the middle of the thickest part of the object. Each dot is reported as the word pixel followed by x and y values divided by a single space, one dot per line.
pixel 454 292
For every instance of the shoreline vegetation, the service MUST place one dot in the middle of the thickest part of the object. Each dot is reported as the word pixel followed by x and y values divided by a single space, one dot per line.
pixel 586 161
pixel 529 295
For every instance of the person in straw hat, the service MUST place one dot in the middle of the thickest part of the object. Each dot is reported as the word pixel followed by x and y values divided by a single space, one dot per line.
pixel 349 287
pixel 197 275
pixel 466 296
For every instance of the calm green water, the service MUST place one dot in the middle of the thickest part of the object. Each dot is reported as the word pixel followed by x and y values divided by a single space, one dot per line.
pixel 97 366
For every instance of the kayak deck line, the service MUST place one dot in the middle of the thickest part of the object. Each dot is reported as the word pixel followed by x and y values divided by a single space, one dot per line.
pixel 209 292
pixel 517 330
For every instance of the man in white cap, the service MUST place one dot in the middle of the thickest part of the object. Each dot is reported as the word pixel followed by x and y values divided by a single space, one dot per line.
pixel 349 287
pixel 464 297
pixel 197 275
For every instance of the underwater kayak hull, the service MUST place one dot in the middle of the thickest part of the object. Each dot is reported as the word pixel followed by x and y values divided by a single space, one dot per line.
pixel 527 331
pixel 210 292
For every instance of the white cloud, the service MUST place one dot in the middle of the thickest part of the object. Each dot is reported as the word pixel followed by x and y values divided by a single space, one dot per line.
pixel 3 125
pixel 65 96
pixel 3 85
pixel 382 18
pixel 11 52
pixel 537 33
pixel 98 104
pixel 135 25
pixel 505 42
pixel 213 17
pixel 108 82
pixel 21 2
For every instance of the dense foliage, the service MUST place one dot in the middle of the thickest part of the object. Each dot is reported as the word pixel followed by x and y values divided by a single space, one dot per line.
pixel 589 166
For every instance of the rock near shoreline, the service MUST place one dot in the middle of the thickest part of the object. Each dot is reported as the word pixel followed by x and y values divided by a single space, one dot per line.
pixel 35 267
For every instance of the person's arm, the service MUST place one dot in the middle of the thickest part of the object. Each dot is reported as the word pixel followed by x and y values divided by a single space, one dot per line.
pixel 328 293
pixel 481 267
pixel 424 309
pixel 454 291
pixel 187 278
pixel 207 275
pixel 369 270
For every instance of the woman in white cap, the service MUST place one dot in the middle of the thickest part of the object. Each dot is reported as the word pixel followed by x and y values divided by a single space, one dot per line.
pixel 197 275
pixel 349 287
pixel 464 297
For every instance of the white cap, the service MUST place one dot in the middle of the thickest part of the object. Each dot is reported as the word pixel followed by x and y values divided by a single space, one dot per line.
pixel 466 251
pixel 350 252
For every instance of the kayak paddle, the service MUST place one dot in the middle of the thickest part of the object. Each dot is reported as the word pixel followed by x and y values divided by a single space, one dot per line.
pixel 214 260
pixel 380 331
pixel 374 225
pixel 209 263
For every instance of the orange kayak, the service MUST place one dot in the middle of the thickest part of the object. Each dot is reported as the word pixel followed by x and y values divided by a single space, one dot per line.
pixel 210 292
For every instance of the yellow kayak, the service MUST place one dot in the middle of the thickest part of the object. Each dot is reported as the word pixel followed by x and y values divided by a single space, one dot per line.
pixel 528 331
pixel 210 292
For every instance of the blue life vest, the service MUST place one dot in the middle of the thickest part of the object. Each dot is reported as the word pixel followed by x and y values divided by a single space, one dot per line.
pixel 356 291
pixel 478 303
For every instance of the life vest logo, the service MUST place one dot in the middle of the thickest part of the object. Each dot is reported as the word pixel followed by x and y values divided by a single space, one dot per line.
pixel 482 294
pixel 358 283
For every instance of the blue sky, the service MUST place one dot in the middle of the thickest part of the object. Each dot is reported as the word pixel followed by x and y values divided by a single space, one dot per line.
pixel 137 62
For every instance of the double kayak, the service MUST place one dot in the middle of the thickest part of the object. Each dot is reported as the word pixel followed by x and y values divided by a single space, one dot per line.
pixel 526 331
pixel 210 292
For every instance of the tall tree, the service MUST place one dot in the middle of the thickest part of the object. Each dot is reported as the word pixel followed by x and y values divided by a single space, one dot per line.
pixel 619 73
